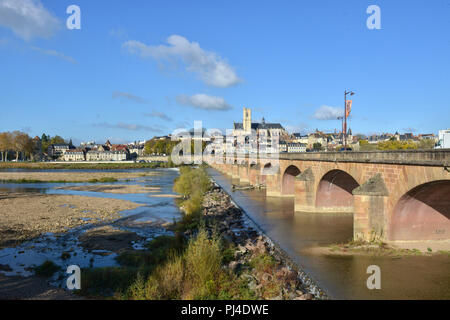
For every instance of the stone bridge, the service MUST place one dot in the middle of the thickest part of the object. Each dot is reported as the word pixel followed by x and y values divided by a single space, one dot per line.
pixel 393 195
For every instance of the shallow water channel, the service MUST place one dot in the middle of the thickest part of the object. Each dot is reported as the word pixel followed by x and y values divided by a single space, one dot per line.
pixel 146 221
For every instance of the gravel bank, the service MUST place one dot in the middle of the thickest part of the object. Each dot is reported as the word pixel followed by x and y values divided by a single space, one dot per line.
pixel 26 216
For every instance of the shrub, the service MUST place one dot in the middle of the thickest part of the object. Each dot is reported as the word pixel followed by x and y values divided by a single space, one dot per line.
pixel 47 269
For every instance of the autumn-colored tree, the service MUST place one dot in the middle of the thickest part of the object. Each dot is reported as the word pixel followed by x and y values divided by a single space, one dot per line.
pixel 5 144
pixel 21 143
pixel 397 145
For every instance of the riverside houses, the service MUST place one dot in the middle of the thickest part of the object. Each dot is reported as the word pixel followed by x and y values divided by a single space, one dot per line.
pixel 96 155
pixel 74 155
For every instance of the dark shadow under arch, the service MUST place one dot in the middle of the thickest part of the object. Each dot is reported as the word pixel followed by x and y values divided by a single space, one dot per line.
pixel 423 213
pixel 335 190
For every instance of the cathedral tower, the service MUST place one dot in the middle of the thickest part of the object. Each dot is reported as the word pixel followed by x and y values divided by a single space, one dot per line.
pixel 247 120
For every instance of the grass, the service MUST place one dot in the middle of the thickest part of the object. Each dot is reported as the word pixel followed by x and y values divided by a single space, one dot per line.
pixel 196 273
pixel 82 165
pixel 47 269
pixel 380 248
pixel 23 181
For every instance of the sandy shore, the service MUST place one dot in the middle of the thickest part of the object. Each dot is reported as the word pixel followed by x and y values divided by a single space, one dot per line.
pixel 31 288
pixel 70 176
pixel 119 189
pixel 26 216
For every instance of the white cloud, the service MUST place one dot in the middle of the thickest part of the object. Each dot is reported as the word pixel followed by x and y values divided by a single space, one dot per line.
pixel 129 96
pixel 55 54
pixel 212 69
pixel 203 101
pixel 28 18
pixel 328 113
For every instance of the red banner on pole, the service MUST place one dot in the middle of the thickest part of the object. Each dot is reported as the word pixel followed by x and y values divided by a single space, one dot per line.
pixel 348 108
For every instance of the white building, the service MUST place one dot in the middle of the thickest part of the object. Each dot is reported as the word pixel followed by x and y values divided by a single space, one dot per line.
pixel 74 155
pixel 444 139
pixel 95 155
pixel 296 147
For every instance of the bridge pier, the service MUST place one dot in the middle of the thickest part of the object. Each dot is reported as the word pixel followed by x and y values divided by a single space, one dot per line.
pixel 370 220
pixel 305 194
pixel 234 171
pixel 243 173
pixel 273 185
pixel 254 172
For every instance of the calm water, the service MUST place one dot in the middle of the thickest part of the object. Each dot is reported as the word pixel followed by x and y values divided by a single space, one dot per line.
pixel 343 277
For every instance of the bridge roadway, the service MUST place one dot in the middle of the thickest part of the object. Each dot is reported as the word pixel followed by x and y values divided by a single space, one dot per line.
pixel 395 196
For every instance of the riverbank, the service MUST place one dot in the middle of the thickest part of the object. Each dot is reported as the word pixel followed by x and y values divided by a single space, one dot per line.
pixel 380 249
pixel 214 253
pixel 117 189
pixel 82 165
pixel 69 177
pixel 27 216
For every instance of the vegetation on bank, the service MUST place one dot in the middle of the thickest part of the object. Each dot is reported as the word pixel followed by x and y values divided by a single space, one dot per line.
pixel 83 165
pixel 23 181
pixel 379 248
pixel 192 184
pixel 47 269
pixel 192 264
pixel 393 144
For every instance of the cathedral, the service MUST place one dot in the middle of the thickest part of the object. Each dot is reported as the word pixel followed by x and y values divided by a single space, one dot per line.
pixel 264 131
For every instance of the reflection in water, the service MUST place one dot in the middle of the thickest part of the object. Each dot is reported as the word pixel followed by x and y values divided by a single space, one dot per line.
pixel 342 277
pixel 146 221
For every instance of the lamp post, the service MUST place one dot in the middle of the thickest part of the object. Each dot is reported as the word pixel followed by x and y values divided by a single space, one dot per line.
pixel 342 128
pixel 345 117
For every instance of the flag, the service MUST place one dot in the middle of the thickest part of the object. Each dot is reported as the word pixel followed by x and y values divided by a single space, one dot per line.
pixel 348 108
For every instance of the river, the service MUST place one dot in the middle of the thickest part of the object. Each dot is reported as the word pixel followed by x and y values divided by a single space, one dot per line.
pixel 146 221
pixel 342 277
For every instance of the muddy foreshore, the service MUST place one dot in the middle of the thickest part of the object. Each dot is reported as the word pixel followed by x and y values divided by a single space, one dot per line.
pixel 27 216
pixel 238 228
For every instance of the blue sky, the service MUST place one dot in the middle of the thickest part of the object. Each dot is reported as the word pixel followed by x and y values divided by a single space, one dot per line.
pixel 142 68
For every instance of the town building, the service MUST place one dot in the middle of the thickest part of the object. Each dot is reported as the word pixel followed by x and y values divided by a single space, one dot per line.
pixel 74 155
pixel 296 147
pixel 266 133
pixel 57 150
pixel 98 155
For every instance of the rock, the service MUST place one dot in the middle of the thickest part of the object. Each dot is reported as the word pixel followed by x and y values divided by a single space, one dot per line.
pixel 266 277
pixel 65 255
pixel 308 296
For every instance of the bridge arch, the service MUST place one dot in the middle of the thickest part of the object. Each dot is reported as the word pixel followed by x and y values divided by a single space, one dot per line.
pixel 288 180
pixel 423 213
pixel 334 191
pixel 265 172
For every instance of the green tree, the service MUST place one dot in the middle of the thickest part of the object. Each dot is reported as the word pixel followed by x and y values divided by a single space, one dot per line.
pixel 317 146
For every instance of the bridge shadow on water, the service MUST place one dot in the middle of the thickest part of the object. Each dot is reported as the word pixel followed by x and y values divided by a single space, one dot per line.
pixel 302 235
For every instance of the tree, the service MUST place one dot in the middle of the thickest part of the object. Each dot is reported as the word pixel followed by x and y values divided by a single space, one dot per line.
pixel 57 140
pixel 317 146
pixel 397 145
pixel 22 143
pixel 426 144
pixel 5 145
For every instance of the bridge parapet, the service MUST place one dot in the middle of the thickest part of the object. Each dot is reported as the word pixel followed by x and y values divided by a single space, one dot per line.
pixel 405 157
